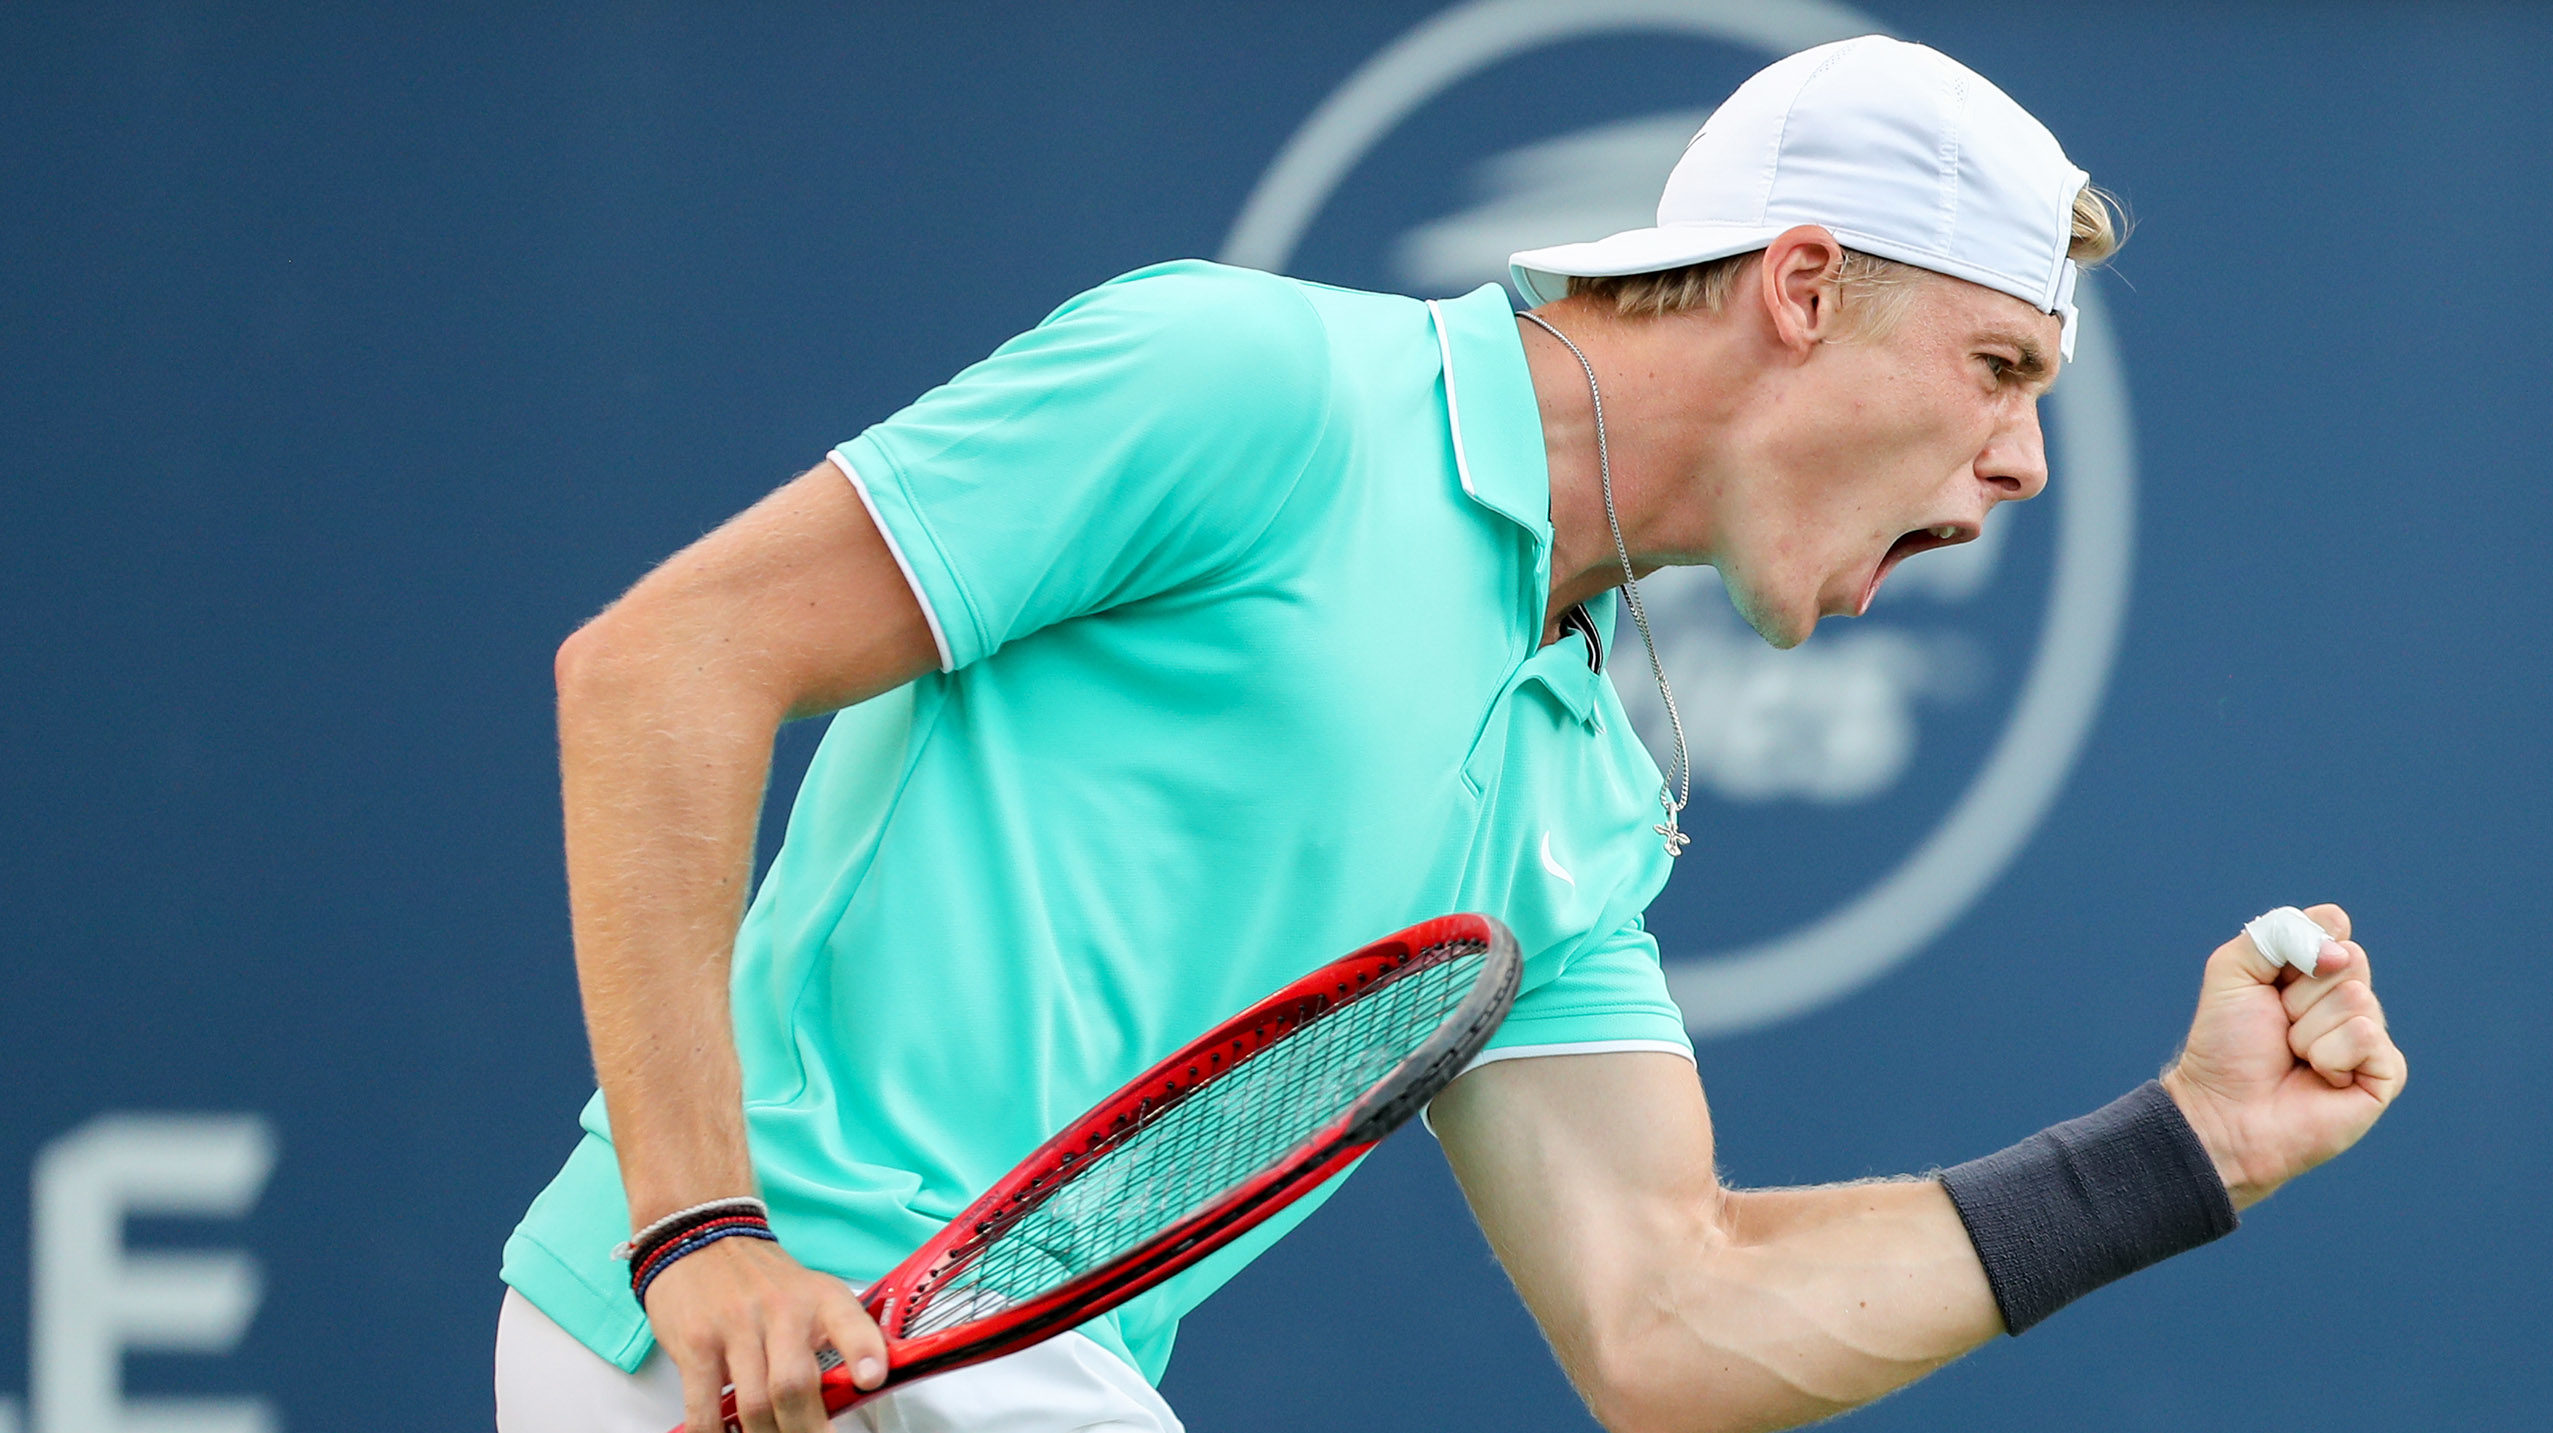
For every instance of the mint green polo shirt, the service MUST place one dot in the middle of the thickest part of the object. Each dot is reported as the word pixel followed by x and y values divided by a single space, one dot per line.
pixel 1238 584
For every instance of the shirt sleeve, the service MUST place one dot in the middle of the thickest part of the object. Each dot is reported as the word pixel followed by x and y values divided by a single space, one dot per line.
pixel 1608 995
pixel 1141 438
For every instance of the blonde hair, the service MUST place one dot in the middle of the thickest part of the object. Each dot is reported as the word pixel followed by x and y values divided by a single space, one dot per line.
pixel 1872 290
pixel 2101 225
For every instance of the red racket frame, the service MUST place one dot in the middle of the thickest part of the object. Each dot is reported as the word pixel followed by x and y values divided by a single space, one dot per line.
pixel 1331 1148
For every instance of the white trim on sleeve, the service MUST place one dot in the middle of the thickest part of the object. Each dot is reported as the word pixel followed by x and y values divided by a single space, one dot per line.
pixel 1573 1047
pixel 939 638
pixel 1582 1047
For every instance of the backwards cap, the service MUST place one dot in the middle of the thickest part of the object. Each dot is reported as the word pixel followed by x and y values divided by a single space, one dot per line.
pixel 1899 150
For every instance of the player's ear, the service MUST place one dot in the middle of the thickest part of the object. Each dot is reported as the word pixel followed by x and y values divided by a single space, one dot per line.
pixel 1795 284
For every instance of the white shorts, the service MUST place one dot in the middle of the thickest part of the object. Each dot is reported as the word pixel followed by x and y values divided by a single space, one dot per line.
pixel 547 1382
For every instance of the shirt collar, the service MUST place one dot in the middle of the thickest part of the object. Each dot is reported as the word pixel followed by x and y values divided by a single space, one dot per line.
pixel 1489 401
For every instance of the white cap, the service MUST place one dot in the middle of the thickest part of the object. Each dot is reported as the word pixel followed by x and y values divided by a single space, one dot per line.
pixel 1899 150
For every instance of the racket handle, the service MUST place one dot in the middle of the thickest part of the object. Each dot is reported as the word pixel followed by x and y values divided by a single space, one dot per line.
pixel 833 1381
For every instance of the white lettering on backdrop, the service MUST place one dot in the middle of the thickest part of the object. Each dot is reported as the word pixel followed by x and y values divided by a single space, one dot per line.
pixel 94 1299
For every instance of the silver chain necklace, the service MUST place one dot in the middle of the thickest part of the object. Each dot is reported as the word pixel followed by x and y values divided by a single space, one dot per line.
pixel 1677 788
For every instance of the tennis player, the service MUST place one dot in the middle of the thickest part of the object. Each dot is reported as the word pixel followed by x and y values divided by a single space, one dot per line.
pixel 1223 622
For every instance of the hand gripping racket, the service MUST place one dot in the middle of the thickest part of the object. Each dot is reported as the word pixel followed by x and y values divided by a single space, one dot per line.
pixel 1194 1153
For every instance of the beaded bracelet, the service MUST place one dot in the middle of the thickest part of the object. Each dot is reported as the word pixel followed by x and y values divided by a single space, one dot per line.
pixel 654 1249
pixel 691 1241
pixel 673 1224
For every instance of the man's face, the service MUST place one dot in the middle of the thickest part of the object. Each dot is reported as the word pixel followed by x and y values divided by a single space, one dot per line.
pixel 1883 445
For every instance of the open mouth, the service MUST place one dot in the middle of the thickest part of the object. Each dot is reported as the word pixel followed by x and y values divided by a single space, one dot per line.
pixel 1922 539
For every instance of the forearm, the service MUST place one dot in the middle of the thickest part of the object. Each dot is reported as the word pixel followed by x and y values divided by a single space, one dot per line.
pixel 668 704
pixel 662 773
pixel 1789 1305
pixel 1677 1304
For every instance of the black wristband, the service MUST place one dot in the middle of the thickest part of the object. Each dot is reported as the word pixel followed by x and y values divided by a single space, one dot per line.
pixel 2091 1200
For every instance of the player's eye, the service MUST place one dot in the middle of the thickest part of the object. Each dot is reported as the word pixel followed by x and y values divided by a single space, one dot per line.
pixel 1998 365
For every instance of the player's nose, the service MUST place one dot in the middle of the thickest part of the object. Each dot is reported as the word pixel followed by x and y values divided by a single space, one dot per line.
pixel 2015 459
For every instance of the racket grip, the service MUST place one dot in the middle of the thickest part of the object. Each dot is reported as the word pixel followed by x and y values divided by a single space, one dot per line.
pixel 840 1393
pixel 833 1381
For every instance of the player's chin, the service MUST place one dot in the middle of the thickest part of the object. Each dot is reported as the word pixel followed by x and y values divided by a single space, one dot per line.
pixel 1785 638
pixel 1784 624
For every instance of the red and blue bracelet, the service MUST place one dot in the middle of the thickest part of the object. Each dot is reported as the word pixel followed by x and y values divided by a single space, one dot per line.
pixel 654 1249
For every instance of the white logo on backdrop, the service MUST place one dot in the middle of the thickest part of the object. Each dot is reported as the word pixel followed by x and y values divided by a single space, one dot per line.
pixel 95 1299
pixel 1836 721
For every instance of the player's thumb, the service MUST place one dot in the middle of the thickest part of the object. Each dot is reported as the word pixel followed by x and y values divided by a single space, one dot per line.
pixel 2243 961
pixel 855 1337
pixel 2240 964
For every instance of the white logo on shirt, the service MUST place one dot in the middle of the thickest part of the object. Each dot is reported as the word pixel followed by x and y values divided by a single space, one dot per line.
pixel 1553 866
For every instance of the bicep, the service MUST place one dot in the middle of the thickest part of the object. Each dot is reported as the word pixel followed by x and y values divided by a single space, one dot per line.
pixel 798 601
pixel 1581 1169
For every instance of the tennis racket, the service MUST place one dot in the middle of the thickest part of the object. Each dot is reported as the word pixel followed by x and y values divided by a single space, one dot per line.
pixel 1193 1153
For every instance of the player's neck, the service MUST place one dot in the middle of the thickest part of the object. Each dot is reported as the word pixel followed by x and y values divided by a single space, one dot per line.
pixel 1672 393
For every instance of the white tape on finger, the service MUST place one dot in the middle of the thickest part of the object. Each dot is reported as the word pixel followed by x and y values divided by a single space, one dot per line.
pixel 2288 936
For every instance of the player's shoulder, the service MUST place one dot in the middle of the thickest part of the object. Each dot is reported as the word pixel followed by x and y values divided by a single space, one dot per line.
pixel 1194 301
pixel 1178 284
pixel 1231 335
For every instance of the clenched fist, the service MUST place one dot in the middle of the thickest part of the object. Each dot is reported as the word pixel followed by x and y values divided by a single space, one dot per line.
pixel 2283 1070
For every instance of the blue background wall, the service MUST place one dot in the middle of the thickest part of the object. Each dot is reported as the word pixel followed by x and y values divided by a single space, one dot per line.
pixel 351 359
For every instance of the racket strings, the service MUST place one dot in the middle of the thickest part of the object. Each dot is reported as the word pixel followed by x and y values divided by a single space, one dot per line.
pixel 1192 1152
